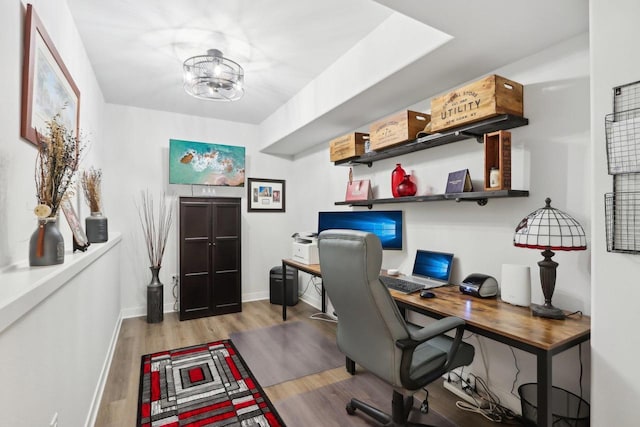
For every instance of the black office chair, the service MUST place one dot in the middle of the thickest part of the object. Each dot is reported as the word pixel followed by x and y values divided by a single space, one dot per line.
pixel 371 330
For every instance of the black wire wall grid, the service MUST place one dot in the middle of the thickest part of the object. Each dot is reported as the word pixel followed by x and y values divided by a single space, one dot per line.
pixel 622 206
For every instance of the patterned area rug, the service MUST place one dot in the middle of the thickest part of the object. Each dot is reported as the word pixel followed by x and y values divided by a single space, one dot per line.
pixel 203 385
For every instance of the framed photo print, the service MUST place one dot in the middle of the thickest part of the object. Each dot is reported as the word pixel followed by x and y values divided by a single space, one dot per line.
pixel 265 195
pixel 47 86
pixel 80 241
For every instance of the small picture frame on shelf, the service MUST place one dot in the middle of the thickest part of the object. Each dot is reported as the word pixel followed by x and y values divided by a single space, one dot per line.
pixel 80 241
pixel 359 190
pixel 459 182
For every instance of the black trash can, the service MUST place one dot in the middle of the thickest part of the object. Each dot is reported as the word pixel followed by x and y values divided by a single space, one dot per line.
pixel 275 286
pixel 567 409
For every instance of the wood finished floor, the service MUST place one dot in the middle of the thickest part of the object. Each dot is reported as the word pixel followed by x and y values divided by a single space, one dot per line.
pixel 120 398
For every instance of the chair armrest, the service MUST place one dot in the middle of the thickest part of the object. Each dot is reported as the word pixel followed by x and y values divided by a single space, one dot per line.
pixel 430 331
pixel 418 337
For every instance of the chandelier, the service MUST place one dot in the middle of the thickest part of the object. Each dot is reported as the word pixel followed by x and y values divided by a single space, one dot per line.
pixel 213 77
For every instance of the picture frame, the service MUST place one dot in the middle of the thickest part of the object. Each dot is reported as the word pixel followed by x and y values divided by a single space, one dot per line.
pixel 265 195
pixel 80 240
pixel 47 86
pixel 359 190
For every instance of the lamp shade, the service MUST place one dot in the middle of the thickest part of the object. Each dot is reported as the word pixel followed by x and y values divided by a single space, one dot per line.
pixel 550 228
pixel 213 77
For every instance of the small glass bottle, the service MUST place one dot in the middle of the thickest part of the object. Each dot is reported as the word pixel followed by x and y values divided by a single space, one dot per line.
pixel 494 177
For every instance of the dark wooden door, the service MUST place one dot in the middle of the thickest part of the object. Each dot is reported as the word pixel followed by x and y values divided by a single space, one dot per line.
pixel 226 296
pixel 210 257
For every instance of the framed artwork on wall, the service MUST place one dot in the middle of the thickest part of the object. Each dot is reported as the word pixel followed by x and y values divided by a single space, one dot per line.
pixel 265 195
pixel 47 86
pixel 201 163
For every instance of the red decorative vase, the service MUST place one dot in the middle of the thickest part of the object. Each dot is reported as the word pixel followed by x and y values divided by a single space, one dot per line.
pixel 407 187
pixel 396 178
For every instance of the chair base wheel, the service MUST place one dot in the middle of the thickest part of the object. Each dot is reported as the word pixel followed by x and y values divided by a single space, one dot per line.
pixel 424 408
pixel 350 409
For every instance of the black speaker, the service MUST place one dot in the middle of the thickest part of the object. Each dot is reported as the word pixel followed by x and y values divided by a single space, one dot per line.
pixel 275 286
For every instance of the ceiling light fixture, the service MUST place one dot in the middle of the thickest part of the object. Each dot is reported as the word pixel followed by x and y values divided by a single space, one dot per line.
pixel 213 77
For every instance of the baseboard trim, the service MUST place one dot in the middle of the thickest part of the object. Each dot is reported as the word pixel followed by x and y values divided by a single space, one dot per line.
pixel 128 313
pixel 313 302
pixel 102 381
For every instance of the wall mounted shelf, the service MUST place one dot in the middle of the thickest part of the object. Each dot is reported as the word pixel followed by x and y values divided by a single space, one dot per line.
pixel 480 197
pixel 473 130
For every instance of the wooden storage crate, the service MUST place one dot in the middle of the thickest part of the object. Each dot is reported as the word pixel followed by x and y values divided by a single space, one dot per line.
pixel 347 146
pixel 497 153
pixel 487 97
pixel 396 129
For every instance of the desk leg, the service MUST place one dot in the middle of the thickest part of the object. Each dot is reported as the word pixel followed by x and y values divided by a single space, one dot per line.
pixel 545 380
pixel 324 298
pixel 350 365
pixel 284 292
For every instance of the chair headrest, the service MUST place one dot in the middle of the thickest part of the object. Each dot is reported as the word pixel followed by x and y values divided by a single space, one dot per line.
pixel 369 244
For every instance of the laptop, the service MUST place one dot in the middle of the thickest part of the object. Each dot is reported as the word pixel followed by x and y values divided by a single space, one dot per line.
pixel 430 270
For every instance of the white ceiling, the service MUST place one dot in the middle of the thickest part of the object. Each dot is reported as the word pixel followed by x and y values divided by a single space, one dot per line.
pixel 137 48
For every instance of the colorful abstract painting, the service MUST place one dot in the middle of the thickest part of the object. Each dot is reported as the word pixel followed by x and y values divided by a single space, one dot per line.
pixel 199 163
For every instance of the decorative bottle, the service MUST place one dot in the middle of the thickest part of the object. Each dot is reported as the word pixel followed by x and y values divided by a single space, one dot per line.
pixel 396 178
pixel 407 187
pixel 97 228
pixel 494 177
pixel 46 246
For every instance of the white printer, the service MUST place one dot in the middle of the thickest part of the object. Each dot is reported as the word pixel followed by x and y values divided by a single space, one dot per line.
pixel 305 248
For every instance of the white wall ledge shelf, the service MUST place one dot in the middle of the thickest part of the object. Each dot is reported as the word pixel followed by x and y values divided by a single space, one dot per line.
pixel 23 287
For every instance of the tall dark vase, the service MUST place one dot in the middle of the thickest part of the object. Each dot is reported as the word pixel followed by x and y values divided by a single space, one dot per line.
pixel 46 246
pixel 155 297
pixel 97 228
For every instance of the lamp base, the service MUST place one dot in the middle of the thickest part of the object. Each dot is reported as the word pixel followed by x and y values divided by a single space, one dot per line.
pixel 549 312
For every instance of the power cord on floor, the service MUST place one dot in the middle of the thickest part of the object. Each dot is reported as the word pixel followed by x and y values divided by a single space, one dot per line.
pixel 515 380
pixel 324 317
pixel 486 404
pixel 318 287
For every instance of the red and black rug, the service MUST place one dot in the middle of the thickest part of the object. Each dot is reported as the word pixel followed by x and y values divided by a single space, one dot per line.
pixel 203 385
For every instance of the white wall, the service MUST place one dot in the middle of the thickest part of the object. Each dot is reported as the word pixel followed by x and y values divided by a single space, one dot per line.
pixel 615 292
pixel 53 356
pixel 550 159
pixel 17 156
pixel 139 141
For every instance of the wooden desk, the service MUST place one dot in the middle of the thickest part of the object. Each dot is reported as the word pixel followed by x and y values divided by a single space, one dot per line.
pixel 508 324
pixel 492 318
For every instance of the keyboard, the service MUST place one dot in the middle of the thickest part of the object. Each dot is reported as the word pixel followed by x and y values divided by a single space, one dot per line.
pixel 401 285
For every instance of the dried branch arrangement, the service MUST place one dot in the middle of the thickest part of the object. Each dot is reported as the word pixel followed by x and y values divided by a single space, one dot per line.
pixel 155 227
pixel 91 180
pixel 57 162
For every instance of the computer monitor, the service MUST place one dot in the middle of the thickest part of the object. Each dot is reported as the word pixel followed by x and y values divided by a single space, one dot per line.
pixel 387 225
pixel 433 265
